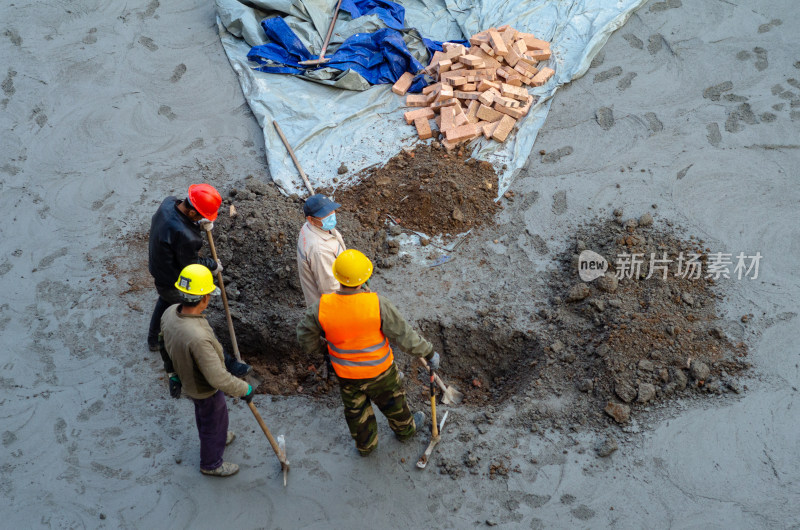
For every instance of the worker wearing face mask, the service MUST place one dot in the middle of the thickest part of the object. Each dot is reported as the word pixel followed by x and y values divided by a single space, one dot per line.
pixel 318 246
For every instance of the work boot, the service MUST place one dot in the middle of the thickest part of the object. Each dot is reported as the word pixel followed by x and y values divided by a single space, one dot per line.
pixel 225 470
pixel 230 437
pixel 236 368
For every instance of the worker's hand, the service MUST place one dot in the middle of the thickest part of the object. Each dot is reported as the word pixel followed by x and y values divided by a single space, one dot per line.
pixel 206 224
pixel 249 396
pixel 219 267
pixel 433 362
pixel 174 385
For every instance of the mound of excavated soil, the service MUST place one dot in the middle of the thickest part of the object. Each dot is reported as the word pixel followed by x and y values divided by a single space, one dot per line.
pixel 634 341
pixel 426 190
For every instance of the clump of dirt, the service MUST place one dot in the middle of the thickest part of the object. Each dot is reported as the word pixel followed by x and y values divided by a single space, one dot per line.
pixel 426 190
pixel 257 246
pixel 625 343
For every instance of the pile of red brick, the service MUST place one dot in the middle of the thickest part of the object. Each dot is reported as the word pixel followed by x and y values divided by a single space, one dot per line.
pixel 478 90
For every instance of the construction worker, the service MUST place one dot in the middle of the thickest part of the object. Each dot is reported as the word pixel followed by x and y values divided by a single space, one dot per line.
pixel 198 360
pixel 175 242
pixel 317 247
pixel 358 325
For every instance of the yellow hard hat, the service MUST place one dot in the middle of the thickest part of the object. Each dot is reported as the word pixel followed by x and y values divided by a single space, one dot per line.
pixel 352 268
pixel 196 280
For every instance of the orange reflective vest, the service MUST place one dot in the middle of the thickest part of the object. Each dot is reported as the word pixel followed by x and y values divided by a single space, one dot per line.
pixel 352 325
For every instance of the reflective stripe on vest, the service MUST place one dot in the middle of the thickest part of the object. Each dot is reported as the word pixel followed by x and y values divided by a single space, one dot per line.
pixel 352 325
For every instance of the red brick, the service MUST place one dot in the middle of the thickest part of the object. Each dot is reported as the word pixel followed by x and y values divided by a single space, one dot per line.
pixel 539 55
pixel 445 65
pixel 401 86
pixel 438 105
pixel 423 128
pixel 488 60
pixel 412 115
pixel 504 128
pixel 498 44
pixel 461 94
pixel 464 132
pixel 488 114
pixel 510 91
pixel 543 76
pixel 448 120
pixel 489 127
pixel 518 112
pixel 533 43
pixel 472 61
pixel 486 85
pixel 417 100
pixel 434 88
pixel 472 110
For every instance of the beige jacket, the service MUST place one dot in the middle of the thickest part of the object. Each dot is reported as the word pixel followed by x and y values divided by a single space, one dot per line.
pixel 197 356
pixel 316 251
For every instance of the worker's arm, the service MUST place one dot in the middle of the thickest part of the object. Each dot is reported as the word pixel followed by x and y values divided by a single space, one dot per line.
pixel 213 369
pixel 321 262
pixel 187 248
pixel 309 332
pixel 399 332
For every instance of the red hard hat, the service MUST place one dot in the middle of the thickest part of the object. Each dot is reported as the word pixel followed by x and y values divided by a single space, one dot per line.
pixel 205 199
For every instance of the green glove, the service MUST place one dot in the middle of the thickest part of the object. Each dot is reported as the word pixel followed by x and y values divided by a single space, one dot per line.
pixel 249 396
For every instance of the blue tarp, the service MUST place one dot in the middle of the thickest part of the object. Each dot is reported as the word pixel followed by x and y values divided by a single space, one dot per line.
pixel 380 57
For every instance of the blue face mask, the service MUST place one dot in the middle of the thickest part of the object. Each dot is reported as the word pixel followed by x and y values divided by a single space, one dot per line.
pixel 329 223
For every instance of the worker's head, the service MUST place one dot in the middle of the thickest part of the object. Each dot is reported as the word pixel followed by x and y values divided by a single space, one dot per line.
pixel 203 202
pixel 352 268
pixel 196 284
pixel 320 211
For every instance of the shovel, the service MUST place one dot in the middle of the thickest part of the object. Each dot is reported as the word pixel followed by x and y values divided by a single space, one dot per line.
pixel 278 446
pixel 451 395
pixel 435 429
pixel 322 59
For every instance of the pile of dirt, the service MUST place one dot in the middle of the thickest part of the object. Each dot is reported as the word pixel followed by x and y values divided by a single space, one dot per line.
pixel 257 246
pixel 618 345
pixel 426 190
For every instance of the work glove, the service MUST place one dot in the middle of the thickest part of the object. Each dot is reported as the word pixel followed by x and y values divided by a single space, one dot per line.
pixel 433 362
pixel 206 224
pixel 174 385
pixel 219 267
pixel 249 396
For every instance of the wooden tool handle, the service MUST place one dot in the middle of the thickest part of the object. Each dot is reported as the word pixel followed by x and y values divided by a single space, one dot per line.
pixel 294 158
pixel 438 379
pixel 268 434
pixel 235 344
pixel 434 427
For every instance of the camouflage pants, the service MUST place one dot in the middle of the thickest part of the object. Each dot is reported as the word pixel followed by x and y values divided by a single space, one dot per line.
pixel 386 392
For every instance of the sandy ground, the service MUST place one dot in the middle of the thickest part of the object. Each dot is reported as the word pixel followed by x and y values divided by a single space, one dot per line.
pixel 108 107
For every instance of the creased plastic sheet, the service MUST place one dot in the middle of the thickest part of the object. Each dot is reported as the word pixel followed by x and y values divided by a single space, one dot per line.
pixel 328 126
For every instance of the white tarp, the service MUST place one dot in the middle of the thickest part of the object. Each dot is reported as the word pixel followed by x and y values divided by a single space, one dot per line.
pixel 328 126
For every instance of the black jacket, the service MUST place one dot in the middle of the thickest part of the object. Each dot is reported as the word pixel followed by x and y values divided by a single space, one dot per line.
pixel 175 241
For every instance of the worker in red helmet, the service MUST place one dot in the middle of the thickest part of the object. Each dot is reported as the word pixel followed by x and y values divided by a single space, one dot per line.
pixel 176 238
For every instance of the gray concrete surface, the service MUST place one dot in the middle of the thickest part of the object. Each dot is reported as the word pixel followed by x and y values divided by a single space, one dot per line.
pixel 108 107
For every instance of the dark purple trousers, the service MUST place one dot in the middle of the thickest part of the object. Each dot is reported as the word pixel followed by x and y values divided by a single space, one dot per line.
pixel 211 415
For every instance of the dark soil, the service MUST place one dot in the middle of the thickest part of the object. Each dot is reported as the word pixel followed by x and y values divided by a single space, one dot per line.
pixel 426 190
pixel 610 346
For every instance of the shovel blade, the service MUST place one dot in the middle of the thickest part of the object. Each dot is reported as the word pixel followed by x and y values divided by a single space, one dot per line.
pixel 452 396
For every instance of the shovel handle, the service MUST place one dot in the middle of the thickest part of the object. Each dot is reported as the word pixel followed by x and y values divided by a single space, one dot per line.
pixel 436 377
pixel 268 434
pixel 294 158
pixel 235 344
pixel 434 426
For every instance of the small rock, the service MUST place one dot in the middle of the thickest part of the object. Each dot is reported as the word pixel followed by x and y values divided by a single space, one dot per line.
pixel 631 224
pixel 395 230
pixel 646 366
pixel 670 330
pixel 342 169
pixel 557 346
pixel 585 385
pixel 435 144
pixel 580 245
pixel 678 376
pixel 745 318
pixel 621 413
pixel 569 357
pixel 625 391
pixel 477 383
pixel 687 298
pixel 608 283
pixel 717 333
pixel 734 386
pixel 424 241
pixel 606 447
pixel 646 220
pixel 102 516
pixel 178 460
pixel 700 371
pixel 490 522
pixel 663 375
pixel 578 292
pixel 615 303
pixel 617 212
pixel 458 215
pixel 598 304
pixel 646 392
